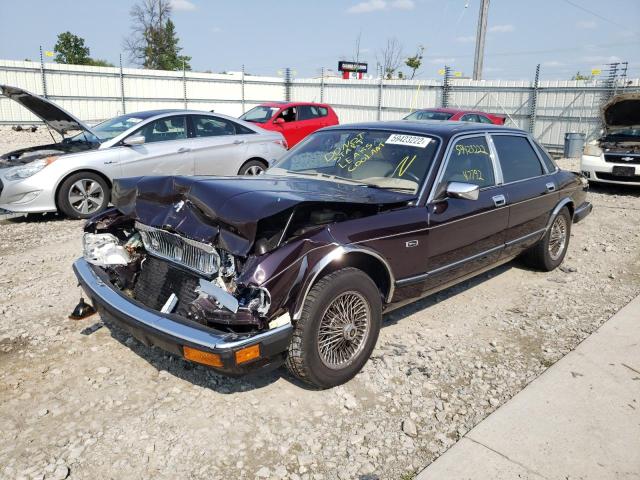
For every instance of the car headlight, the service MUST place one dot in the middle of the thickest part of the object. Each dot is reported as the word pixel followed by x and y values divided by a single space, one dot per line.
pixel 104 249
pixel 30 168
pixel 592 150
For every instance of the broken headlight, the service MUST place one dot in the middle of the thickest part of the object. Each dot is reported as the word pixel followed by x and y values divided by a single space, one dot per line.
pixel 104 249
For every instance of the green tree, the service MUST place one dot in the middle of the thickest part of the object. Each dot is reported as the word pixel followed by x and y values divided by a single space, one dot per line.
pixel 580 76
pixel 99 62
pixel 71 49
pixel 414 62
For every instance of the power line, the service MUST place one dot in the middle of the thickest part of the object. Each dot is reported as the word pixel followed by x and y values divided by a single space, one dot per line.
pixel 580 7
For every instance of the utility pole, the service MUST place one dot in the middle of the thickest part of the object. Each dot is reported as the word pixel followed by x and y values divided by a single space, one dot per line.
pixel 482 30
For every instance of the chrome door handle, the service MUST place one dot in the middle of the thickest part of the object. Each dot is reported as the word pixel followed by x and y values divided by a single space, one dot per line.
pixel 499 200
pixel 550 186
pixel 184 150
pixel 239 142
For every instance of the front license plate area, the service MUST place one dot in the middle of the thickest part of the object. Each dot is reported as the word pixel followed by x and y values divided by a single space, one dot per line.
pixel 624 171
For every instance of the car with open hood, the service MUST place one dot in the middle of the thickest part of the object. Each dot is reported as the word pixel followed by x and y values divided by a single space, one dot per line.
pixel 298 265
pixel 615 156
pixel 75 175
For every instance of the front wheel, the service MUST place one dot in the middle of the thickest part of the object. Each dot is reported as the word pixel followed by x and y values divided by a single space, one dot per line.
pixel 550 251
pixel 337 330
pixel 252 167
pixel 83 195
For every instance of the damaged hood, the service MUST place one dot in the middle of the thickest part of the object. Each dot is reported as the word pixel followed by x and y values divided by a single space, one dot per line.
pixel 55 117
pixel 622 112
pixel 225 211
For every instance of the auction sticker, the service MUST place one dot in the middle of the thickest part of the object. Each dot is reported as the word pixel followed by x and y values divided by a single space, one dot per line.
pixel 408 140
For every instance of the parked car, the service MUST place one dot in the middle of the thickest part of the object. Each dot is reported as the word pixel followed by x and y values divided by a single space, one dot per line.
pixel 75 175
pixel 295 120
pixel 615 156
pixel 455 114
pixel 298 265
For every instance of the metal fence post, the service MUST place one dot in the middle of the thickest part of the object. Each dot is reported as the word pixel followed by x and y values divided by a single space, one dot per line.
pixel 124 108
pixel 287 84
pixel 380 95
pixel 322 85
pixel 446 86
pixel 242 89
pixel 534 100
pixel 184 83
pixel 44 78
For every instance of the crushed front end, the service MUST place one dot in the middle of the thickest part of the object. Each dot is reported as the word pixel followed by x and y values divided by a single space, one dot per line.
pixel 181 295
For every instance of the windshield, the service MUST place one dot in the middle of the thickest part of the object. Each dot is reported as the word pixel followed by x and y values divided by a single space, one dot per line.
pixel 428 115
pixel 627 132
pixel 259 114
pixel 382 159
pixel 108 129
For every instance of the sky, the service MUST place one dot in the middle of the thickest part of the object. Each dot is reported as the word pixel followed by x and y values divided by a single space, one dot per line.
pixel 564 36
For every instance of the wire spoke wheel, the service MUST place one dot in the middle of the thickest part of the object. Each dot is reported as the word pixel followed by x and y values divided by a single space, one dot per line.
pixel 557 237
pixel 343 330
pixel 86 196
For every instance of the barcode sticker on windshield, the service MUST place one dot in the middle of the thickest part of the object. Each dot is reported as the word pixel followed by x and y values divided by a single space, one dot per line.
pixel 408 140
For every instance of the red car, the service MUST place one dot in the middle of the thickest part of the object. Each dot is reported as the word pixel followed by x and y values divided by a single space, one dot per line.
pixel 295 120
pixel 456 115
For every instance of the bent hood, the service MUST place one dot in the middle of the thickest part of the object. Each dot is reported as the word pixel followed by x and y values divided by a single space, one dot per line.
pixel 226 211
pixel 55 117
pixel 622 111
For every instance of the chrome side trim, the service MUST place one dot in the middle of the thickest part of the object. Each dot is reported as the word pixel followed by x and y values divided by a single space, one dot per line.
pixel 98 291
pixel 561 204
pixel 336 254
pixel 524 237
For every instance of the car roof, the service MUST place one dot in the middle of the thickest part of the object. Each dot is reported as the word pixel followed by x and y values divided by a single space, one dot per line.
pixel 442 128
pixel 448 110
pixel 290 104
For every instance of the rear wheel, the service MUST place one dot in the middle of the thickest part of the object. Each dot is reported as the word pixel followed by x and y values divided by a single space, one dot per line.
pixel 252 167
pixel 337 330
pixel 550 251
pixel 83 195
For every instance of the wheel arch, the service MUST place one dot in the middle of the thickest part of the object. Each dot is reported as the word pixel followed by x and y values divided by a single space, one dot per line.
pixel 369 261
pixel 565 202
pixel 254 159
pixel 80 170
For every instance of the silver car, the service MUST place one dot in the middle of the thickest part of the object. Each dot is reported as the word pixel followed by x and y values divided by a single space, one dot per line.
pixel 74 176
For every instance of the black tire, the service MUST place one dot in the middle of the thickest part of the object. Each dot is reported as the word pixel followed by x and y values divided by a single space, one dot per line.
pixel 540 255
pixel 250 167
pixel 304 359
pixel 97 197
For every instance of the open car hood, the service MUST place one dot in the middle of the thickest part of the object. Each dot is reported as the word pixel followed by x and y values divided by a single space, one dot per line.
pixel 226 211
pixel 622 111
pixel 55 117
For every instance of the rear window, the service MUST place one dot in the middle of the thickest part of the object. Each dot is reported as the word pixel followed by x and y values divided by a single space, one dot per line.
pixel 428 115
pixel 517 158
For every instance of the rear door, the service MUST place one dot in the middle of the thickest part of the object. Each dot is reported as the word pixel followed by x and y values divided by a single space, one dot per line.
pixel 465 235
pixel 291 127
pixel 529 187
pixel 309 120
pixel 164 152
pixel 218 146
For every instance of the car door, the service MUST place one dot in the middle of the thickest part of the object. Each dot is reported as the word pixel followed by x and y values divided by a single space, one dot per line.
pixel 465 235
pixel 219 145
pixel 529 187
pixel 286 122
pixel 308 120
pixel 470 117
pixel 165 150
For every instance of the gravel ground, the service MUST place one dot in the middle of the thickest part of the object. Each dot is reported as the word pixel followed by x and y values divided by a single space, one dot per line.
pixel 83 402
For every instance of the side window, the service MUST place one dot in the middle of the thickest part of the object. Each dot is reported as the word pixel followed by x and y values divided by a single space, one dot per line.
pixel 289 114
pixel 484 119
pixel 470 162
pixel 546 158
pixel 164 129
pixel 470 117
pixel 517 158
pixel 323 112
pixel 307 112
pixel 212 126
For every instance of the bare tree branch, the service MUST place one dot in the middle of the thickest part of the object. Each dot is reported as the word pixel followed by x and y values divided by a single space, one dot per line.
pixel 390 57
pixel 148 19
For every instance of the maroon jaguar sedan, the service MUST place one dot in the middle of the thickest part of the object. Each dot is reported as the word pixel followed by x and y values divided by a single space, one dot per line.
pixel 297 266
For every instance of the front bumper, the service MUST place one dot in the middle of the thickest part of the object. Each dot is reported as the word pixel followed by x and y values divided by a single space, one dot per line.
pixel 582 211
pixel 172 333
pixel 597 170
pixel 30 195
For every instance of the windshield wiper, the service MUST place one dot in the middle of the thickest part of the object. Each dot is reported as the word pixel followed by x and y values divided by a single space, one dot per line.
pixel 382 187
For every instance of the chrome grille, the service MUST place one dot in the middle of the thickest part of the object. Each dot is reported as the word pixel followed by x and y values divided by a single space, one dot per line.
pixel 191 254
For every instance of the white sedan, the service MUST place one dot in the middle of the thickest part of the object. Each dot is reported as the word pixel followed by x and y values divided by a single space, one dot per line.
pixel 75 175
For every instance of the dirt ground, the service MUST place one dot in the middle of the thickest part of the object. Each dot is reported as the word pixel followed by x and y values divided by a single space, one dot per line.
pixel 78 400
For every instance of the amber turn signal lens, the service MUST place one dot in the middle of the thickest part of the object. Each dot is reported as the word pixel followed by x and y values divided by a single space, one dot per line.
pixel 199 356
pixel 249 353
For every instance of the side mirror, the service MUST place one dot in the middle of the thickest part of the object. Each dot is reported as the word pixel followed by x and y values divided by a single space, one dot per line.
pixel 466 191
pixel 279 120
pixel 135 140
